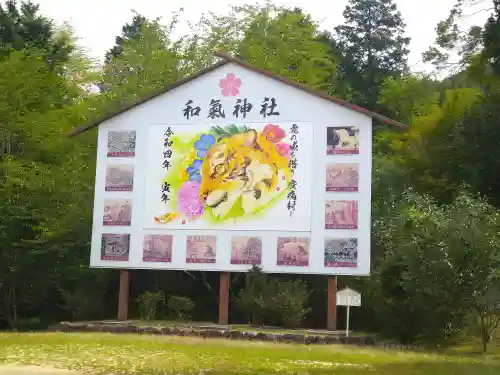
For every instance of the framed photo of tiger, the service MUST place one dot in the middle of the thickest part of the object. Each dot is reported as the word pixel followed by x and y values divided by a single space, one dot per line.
pixel 342 140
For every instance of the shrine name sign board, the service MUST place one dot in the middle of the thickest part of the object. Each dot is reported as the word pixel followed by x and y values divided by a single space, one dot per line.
pixel 234 169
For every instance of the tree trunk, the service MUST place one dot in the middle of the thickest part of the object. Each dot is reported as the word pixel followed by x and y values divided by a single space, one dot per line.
pixel 484 334
pixel 14 307
pixel 7 307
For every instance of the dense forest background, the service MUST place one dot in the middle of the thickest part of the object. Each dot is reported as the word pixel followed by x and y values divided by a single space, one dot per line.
pixel 436 188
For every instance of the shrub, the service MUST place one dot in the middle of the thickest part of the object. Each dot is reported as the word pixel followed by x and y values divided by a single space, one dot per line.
pixel 30 324
pixel 288 302
pixel 148 302
pixel 180 306
pixel 251 300
pixel 273 301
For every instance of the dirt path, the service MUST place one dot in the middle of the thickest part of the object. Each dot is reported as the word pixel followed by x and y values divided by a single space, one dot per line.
pixel 33 370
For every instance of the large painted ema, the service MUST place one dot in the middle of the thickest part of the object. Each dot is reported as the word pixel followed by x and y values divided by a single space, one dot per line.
pixel 231 168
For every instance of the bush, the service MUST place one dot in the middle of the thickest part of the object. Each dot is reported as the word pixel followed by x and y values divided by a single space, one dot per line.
pixel 288 302
pixel 30 324
pixel 180 306
pixel 251 300
pixel 148 302
pixel 273 301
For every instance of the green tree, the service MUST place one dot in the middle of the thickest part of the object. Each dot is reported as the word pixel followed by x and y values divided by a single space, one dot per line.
pixel 409 96
pixel 427 150
pixel 474 147
pixel 130 31
pixel 471 140
pixel 487 311
pixel 281 40
pixel 180 306
pixel 437 259
pixel 22 27
pixel 146 62
pixel 251 299
pixel 373 47
pixel 454 47
pixel 491 38
pixel 45 206
pixel 148 303
pixel 288 45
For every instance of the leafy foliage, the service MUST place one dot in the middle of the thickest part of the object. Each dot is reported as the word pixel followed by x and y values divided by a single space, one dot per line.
pixel 229 130
pixel 273 301
pixel 373 47
pixel 252 299
pixel 145 60
pixel 434 239
pixel 427 149
pixel 22 27
pixel 148 303
pixel 180 306
pixel 409 96
pixel 452 40
pixel 130 31
pixel 487 312
pixel 491 38
pixel 435 260
pixel 287 44
pixel 474 147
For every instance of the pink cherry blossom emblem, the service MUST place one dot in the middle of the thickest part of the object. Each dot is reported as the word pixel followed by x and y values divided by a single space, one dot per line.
pixel 230 85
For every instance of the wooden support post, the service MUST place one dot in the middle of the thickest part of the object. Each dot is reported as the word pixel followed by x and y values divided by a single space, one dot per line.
pixel 123 295
pixel 224 298
pixel 331 319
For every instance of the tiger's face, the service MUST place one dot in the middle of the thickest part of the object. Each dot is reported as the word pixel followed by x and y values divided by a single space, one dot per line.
pixel 235 167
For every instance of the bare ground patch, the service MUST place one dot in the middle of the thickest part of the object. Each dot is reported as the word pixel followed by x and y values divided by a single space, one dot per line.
pixel 34 370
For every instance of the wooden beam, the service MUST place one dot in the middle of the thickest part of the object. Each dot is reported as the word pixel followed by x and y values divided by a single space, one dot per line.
pixel 331 319
pixel 123 295
pixel 224 298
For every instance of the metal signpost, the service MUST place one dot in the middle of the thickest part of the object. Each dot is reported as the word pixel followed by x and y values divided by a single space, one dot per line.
pixel 348 297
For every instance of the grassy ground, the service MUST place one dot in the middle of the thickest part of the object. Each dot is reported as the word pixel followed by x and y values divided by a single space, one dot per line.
pixel 154 355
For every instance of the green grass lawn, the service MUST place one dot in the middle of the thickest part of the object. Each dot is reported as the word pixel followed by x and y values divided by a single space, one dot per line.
pixel 135 354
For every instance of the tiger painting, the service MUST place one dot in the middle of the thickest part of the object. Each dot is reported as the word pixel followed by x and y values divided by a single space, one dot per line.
pixel 245 167
pixel 226 173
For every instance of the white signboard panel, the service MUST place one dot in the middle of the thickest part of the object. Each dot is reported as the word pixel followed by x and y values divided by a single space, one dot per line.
pixel 230 170
pixel 348 297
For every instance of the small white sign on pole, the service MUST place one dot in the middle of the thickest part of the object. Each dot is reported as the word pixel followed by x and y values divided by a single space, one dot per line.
pixel 348 297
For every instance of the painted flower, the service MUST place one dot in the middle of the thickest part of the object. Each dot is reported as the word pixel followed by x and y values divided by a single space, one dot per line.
pixel 194 170
pixel 273 133
pixel 189 201
pixel 203 144
pixel 165 218
pixel 230 85
pixel 283 149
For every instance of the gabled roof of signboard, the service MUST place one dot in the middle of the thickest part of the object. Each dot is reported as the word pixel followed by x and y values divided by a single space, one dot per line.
pixel 230 59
